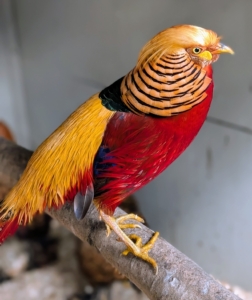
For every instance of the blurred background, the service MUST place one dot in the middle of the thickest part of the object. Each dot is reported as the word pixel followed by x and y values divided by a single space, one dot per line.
pixel 54 54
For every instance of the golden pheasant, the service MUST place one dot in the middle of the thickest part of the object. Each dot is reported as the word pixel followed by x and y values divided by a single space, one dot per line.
pixel 123 137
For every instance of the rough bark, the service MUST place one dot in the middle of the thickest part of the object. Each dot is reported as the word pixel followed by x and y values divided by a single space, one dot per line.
pixel 178 277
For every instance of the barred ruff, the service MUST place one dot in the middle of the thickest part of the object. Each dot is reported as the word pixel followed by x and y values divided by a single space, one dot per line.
pixel 165 87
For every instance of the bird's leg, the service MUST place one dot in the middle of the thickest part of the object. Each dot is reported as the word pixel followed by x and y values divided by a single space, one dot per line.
pixel 121 219
pixel 133 241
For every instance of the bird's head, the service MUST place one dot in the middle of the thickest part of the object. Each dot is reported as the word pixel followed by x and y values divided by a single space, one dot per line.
pixel 172 74
pixel 202 45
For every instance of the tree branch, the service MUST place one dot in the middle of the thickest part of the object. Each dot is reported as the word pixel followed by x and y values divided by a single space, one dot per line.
pixel 178 277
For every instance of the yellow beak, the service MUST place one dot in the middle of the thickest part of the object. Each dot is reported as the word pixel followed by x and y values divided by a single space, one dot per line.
pixel 222 49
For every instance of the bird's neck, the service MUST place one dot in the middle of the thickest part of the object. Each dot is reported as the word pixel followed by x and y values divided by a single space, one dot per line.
pixel 169 86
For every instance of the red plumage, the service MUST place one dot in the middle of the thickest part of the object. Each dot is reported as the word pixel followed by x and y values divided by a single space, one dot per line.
pixel 143 146
pixel 8 229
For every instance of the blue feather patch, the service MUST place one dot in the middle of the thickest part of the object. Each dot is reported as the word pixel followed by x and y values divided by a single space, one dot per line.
pixel 99 165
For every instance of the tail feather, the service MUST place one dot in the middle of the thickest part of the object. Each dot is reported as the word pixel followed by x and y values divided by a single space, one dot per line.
pixel 8 228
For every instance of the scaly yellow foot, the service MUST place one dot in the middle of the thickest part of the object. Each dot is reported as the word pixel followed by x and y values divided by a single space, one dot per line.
pixel 144 249
pixel 133 241
pixel 119 221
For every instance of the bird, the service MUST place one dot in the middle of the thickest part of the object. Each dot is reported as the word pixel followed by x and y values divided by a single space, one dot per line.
pixel 122 137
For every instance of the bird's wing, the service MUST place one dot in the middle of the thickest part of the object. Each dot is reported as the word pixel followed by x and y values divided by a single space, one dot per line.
pixel 62 166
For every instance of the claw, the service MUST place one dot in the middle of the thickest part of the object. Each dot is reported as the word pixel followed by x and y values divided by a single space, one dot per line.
pixel 125 226
pixel 123 218
pixel 133 241
pixel 143 249
pixel 128 217
pixel 108 230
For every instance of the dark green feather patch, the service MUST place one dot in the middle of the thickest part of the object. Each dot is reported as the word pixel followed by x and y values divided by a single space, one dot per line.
pixel 111 97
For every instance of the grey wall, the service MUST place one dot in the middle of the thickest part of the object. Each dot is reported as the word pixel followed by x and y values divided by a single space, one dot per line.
pixel 203 202
pixel 12 103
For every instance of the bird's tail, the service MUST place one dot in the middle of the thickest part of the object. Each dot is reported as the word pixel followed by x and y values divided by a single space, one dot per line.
pixel 10 217
pixel 15 211
pixel 8 228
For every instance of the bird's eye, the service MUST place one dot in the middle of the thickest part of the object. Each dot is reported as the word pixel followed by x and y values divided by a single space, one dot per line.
pixel 196 50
